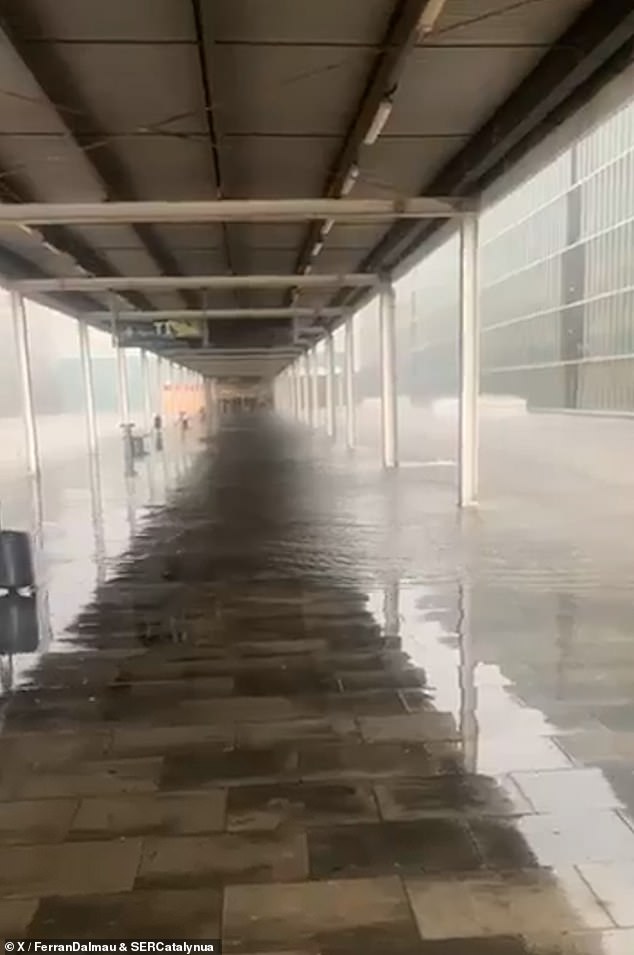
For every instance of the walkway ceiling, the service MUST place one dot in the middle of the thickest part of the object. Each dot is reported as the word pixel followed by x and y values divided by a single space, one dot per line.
pixel 192 99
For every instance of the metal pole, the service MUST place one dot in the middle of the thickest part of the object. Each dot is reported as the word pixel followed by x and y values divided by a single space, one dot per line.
pixel 469 362
pixel 308 408
pixel 147 390
pixel 122 374
pixel 389 410
pixel 89 394
pixel 298 392
pixel 26 384
pixel 331 419
pixel 159 385
pixel 349 384
pixel 314 386
pixel 93 449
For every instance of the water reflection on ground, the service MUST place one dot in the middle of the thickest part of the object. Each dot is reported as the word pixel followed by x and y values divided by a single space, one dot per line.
pixel 313 704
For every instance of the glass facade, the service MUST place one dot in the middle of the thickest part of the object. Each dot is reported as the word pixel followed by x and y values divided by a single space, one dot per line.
pixel 557 286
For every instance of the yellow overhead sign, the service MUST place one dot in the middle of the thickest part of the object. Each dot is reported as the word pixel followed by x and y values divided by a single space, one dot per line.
pixel 178 329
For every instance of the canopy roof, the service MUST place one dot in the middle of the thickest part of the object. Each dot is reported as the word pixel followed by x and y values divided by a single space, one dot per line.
pixel 189 100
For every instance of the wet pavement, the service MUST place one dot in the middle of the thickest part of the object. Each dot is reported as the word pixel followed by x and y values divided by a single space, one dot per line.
pixel 303 715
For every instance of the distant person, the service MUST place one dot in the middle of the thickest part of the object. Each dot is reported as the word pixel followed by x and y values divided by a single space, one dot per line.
pixel 158 422
pixel 184 422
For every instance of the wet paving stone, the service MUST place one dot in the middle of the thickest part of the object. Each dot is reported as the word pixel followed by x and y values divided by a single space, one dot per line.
pixel 158 814
pixel 424 727
pixel 168 914
pixel 287 915
pixel 37 821
pixel 91 778
pixel 268 807
pixel 16 916
pixel 300 731
pixel 68 869
pixel 372 760
pixel 355 851
pixel 515 903
pixel 449 794
pixel 228 858
pixel 230 743
pixel 164 740
pixel 204 766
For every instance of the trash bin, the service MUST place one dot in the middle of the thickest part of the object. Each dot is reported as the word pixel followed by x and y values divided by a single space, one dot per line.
pixel 16 561
pixel 19 624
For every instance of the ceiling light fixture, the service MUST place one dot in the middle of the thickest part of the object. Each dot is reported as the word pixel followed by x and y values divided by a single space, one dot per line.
pixel 377 126
pixel 350 180
pixel 429 16
pixel 327 227
pixel 318 246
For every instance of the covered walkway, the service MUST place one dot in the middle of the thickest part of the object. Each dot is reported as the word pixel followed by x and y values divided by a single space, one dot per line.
pixel 269 728
pixel 327 702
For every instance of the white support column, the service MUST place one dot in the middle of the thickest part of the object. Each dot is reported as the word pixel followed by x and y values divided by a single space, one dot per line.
pixel 297 404
pixel 159 385
pixel 314 386
pixel 331 410
pixel 122 378
pixel 93 449
pixel 89 393
pixel 26 385
pixel 147 390
pixel 469 363
pixel 349 384
pixel 389 410
pixel 306 391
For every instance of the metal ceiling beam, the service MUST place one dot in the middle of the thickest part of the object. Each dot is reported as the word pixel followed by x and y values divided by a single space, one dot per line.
pixel 210 314
pixel 59 239
pixel 170 282
pixel 233 210
pixel 598 45
pixel 401 35
pixel 51 75
pixel 203 42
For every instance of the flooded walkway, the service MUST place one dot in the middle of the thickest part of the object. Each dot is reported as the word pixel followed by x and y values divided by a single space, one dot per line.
pixel 241 738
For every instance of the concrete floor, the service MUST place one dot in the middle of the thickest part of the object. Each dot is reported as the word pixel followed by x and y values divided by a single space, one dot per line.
pixel 310 711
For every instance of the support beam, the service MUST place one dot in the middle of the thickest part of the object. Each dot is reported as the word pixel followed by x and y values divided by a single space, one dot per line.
pixel 170 282
pixel 469 364
pixel 389 409
pixel 233 210
pixel 100 168
pixel 385 71
pixel 201 16
pixel 595 48
pixel 349 384
pixel 331 410
pixel 26 385
pixel 211 314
